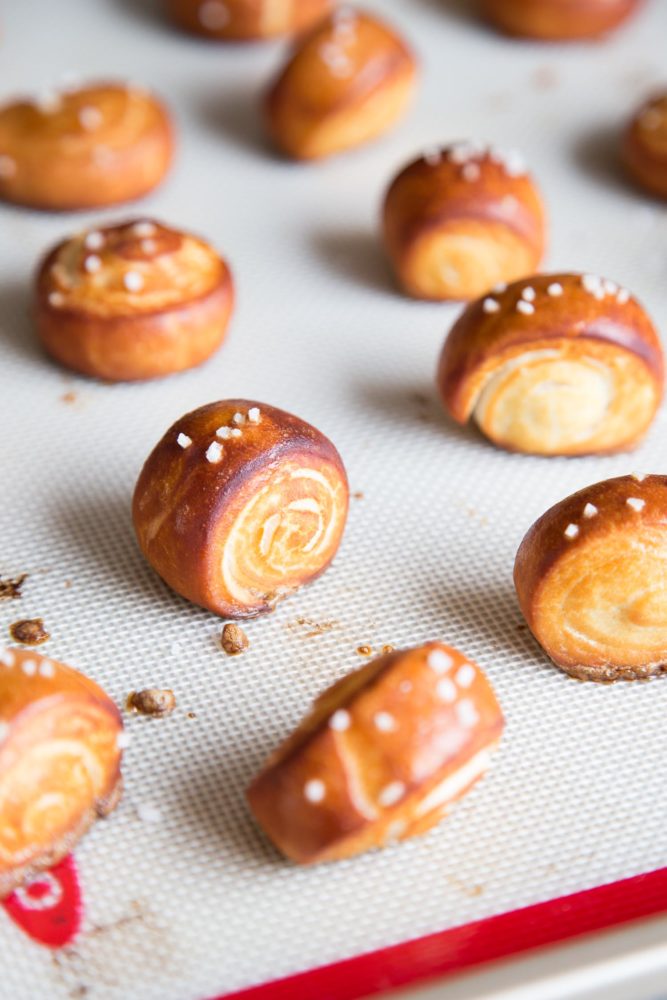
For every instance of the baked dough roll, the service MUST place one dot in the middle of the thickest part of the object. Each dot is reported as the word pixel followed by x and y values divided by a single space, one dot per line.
pixel 60 740
pixel 84 148
pixel 591 577
pixel 381 757
pixel 460 219
pixel 558 20
pixel 560 364
pixel 645 146
pixel 347 82
pixel 246 20
pixel 133 301
pixel 239 505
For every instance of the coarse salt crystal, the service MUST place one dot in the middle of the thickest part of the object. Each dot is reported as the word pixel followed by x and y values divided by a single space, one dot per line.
pixel 254 414
pixel 133 281
pixel 340 720
pixel 571 531
pixel 590 510
pixel 92 264
pixel 385 722
pixel 183 440
pixel 467 713
pixel 525 307
pixel 439 661
pixel 314 790
pixel 555 289
pixel 465 675
pixel 446 690
pixel 391 793
pixel 214 453
pixel 490 306
pixel 636 503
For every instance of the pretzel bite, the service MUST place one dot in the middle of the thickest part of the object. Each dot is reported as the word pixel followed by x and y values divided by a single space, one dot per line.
pixel 645 146
pixel 560 364
pixel 381 757
pixel 133 301
pixel 591 578
pixel 60 739
pixel 239 505
pixel 101 144
pixel 347 82
pixel 558 20
pixel 246 20
pixel 461 219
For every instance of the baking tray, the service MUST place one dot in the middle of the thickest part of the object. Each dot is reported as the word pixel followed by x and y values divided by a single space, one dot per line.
pixel 182 895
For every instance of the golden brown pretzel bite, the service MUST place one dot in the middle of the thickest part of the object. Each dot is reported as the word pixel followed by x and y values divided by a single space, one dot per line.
pixel 60 738
pixel 381 757
pixel 133 301
pixel 558 20
pixel 85 148
pixel 239 505
pixel 591 577
pixel 645 146
pixel 460 219
pixel 560 364
pixel 347 82
pixel 247 20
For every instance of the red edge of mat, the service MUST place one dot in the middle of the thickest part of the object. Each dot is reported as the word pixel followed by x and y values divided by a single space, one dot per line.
pixel 453 951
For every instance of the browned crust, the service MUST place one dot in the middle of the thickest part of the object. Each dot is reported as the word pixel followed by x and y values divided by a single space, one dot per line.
pixel 193 500
pixel 424 747
pixel 646 164
pixel 133 346
pixel 425 197
pixel 294 98
pixel 57 183
pixel 558 20
pixel 9 881
pixel 246 22
pixel 477 337
pixel 545 543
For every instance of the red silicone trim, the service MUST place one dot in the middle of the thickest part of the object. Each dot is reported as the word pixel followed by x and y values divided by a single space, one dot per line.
pixel 452 951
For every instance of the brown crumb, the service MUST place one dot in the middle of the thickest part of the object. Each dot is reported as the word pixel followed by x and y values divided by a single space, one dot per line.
pixel 67 584
pixel 151 701
pixel 521 628
pixel 11 589
pixel 233 639
pixel 358 495
pixel 388 648
pixel 314 628
pixel 191 715
pixel 29 631
pixel 365 650
pixel 69 397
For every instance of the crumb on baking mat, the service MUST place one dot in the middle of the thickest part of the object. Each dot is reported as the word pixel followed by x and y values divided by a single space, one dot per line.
pixel 29 631
pixel 233 639
pixel 156 702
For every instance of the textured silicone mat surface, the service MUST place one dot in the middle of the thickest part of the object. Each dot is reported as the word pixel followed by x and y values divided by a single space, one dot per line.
pixel 196 902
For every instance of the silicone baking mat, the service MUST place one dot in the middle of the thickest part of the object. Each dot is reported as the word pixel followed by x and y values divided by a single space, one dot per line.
pixel 183 897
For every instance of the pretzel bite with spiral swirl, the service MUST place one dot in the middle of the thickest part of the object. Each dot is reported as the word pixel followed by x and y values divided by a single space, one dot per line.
pixel 561 364
pixel 591 578
pixel 381 757
pixel 60 752
pixel 239 505
pixel 246 20
pixel 460 219
pixel 346 83
pixel 86 148
pixel 133 301
pixel 558 20
pixel 645 146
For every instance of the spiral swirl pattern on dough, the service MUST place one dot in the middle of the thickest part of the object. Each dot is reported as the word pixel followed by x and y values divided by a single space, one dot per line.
pixel 556 364
pixel 82 148
pixel 239 505
pixel 133 301
pixel 59 761
pixel 591 577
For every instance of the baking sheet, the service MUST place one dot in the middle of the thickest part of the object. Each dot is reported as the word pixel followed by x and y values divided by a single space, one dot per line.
pixel 184 896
